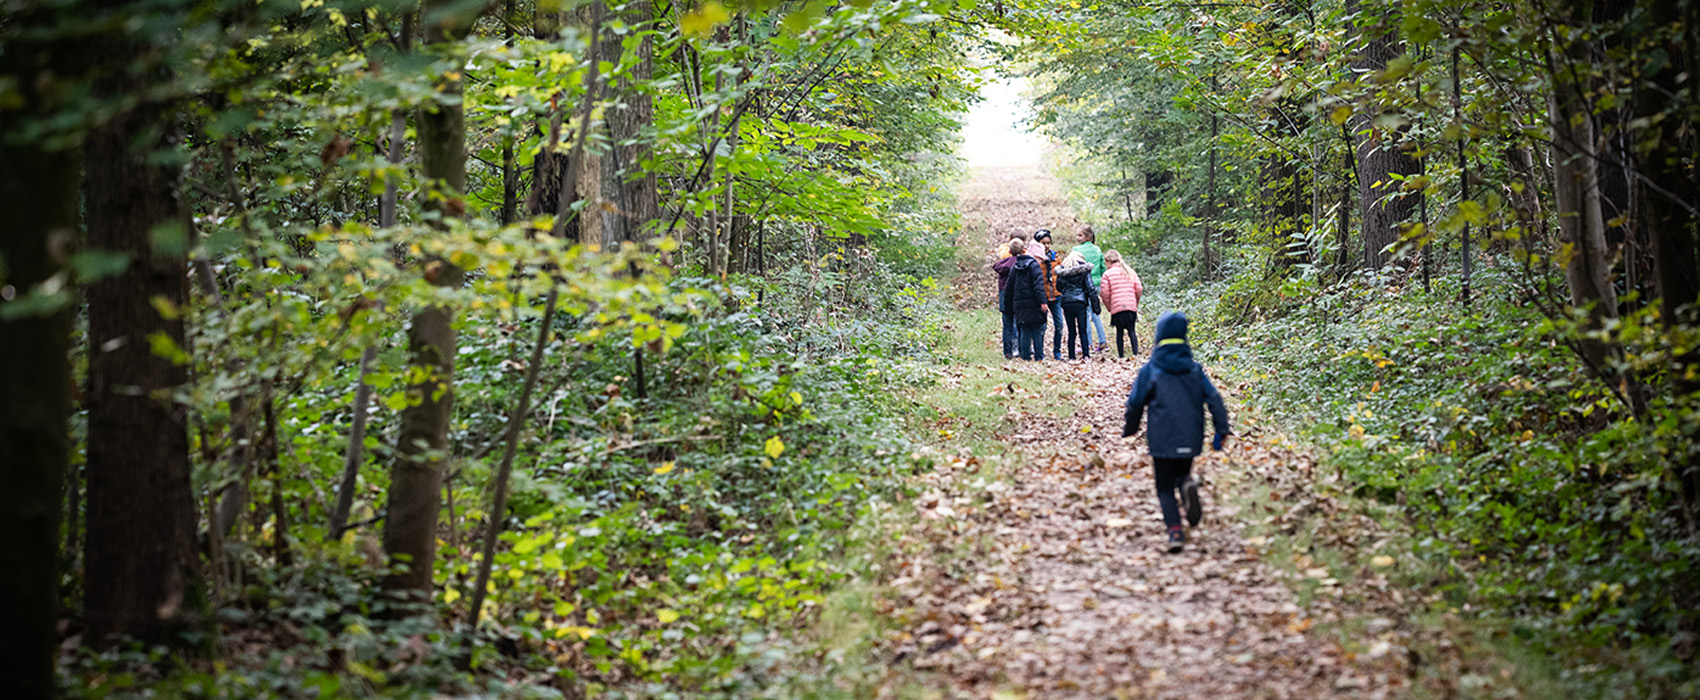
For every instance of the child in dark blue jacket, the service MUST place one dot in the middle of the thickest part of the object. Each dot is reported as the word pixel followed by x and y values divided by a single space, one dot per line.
pixel 1176 390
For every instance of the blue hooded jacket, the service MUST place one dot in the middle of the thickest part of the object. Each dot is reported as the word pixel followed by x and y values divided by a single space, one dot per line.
pixel 1177 391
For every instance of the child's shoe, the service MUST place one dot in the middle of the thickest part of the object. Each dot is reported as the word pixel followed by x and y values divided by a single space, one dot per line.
pixel 1189 501
pixel 1177 540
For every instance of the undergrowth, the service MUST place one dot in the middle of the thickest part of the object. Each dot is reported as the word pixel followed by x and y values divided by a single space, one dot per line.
pixel 1530 500
pixel 699 532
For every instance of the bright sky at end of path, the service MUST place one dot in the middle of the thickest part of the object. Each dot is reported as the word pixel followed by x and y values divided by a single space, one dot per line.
pixel 993 131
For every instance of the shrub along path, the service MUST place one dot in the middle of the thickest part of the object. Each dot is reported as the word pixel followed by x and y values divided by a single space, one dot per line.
pixel 1047 577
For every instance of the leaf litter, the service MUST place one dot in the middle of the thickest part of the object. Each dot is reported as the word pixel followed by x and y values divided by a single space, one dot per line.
pixel 1042 573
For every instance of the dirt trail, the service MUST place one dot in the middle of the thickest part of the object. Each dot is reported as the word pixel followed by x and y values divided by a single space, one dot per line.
pixel 1055 584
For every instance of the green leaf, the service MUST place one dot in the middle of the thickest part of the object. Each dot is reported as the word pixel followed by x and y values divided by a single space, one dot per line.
pixel 700 22
pixel 94 265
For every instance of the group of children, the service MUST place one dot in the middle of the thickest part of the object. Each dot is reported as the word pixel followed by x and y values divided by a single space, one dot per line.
pixel 1036 285
pixel 1172 387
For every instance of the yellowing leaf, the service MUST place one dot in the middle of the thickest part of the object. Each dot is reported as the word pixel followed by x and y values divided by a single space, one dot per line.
pixel 702 20
pixel 774 447
pixel 1382 561
pixel 666 616
pixel 582 632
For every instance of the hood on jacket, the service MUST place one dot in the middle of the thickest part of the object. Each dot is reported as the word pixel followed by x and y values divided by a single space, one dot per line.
pixel 1079 268
pixel 1172 353
pixel 1024 262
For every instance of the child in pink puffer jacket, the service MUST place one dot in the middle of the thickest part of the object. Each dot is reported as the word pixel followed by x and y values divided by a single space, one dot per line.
pixel 1120 291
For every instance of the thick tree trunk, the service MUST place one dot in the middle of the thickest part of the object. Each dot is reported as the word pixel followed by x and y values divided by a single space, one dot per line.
pixel 38 190
pixel 628 187
pixel 1381 155
pixel 142 575
pixel 416 478
pixel 1670 199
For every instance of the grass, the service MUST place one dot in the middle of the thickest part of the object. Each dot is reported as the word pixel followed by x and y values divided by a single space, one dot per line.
pixel 967 408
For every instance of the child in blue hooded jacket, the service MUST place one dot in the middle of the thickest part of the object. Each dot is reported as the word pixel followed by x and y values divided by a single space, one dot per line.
pixel 1176 391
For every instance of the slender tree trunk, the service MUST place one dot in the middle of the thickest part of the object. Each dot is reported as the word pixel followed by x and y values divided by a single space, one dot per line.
pixel 510 171
pixel 281 553
pixel 1343 227
pixel 354 454
pixel 510 183
pixel 1581 221
pixel 516 424
pixel 38 190
pixel 410 525
pixel 1210 196
pixel 1581 218
pixel 1463 173
pixel 1127 189
pixel 142 572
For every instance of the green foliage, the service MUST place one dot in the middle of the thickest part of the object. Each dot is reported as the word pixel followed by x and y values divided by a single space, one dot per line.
pixel 1526 484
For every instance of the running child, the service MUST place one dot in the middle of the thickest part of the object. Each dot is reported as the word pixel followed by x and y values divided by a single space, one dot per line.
pixel 1176 390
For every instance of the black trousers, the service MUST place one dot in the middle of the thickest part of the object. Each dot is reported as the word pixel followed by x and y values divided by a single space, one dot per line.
pixel 1124 322
pixel 1171 471
pixel 1076 319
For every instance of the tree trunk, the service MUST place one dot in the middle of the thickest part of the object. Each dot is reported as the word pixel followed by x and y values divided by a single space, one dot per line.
pixel 1581 219
pixel 639 199
pixel 1209 195
pixel 1668 202
pixel 1581 222
pixel 410 525
pixel 588 184
pixel 38 190
pixel 142 572
pixel 1463 176
pixel 1381 155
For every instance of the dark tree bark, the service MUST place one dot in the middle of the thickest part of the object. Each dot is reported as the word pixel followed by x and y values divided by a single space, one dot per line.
pixel 143 575
pixel 38 191
pixel 1463 177
pixel 1669 201
pixel 640 203
pixel 550 183
pixel 1381 154
pixel 416 477
pixel 1156 186
pixel 510 170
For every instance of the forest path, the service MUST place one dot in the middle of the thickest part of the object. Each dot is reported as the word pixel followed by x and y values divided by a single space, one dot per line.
pixel 1050 579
